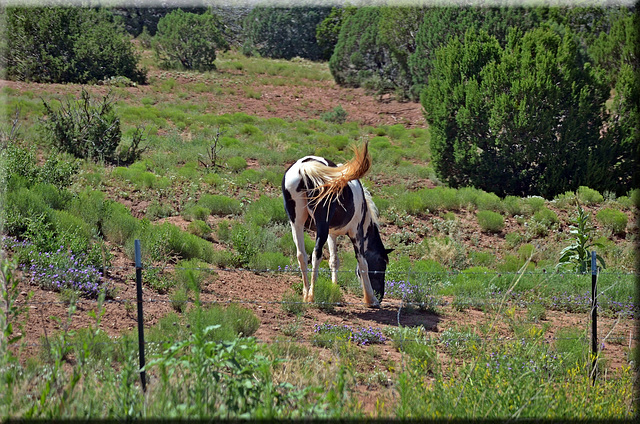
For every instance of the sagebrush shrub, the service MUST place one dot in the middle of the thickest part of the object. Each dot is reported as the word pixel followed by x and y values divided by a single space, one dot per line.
pixel 218 204
pixel 546 217
pixel 588 196
pixel 118 225
pixel 490 221
pixel 613 219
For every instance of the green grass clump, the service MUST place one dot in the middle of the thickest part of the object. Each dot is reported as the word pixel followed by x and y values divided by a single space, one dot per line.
pixel 237 163
pixel 613 220
pixel 192 273
pixel 221 205
pixel 194 212
pixel 265 261
pixel 534 203
pixel 489 221
pixel 546 217
pixel 118 225
pixel 589 196
pixel 266 210
pixel 326 294
pixel 513 205
pixel 199 228
pixel 489 201
pixel 158 280
pixel 292 302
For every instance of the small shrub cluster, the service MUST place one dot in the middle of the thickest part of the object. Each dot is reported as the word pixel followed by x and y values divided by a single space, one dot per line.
pixel 89 129
pixel 337 115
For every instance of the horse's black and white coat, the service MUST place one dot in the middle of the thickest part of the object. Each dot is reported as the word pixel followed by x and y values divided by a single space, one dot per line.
pixel 349 211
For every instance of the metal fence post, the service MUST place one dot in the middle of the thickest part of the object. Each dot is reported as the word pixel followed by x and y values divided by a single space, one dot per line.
pixel 143 376
pixel 594 315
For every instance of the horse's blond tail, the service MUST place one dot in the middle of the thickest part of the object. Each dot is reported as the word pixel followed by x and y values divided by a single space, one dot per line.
pixel 332 180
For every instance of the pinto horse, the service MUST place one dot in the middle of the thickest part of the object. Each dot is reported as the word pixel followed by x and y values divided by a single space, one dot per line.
pixel 320 195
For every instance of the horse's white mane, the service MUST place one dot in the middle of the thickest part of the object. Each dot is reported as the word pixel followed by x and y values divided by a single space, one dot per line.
pixel 372 206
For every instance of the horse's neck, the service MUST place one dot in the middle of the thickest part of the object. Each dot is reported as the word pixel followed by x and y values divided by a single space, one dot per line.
pixel 372 233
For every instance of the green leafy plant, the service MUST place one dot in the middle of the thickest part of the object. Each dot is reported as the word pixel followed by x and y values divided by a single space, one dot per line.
pixel 578 253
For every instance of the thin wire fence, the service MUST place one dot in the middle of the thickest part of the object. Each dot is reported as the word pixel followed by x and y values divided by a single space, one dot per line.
pixel 391 303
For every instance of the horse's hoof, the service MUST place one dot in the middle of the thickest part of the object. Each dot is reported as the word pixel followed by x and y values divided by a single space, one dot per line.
pixel 374 305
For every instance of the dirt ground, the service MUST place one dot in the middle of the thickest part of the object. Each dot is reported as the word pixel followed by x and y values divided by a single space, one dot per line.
pixel 263 292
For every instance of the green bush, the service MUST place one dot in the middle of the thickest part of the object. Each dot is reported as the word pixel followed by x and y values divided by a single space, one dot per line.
pixel 87 129
pixel 21 162
pixel 192 274
pixel 160 281
pixel 20 208
pixel 613 219
pixel 490 221
pixel 283 32
pixel 489 202
pixel 476 88
pixel 337 115
pixel 534 203
pixel 157 210
pixel 67 45
pixel 188 40
pixel 589 196
pixel 513 205
pixel 52 196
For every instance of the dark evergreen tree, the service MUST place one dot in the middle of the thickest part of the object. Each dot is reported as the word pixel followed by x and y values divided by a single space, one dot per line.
pixel 67 44
pixel 521 120
pixel 189 40
pixel 617 52
pixel 284 33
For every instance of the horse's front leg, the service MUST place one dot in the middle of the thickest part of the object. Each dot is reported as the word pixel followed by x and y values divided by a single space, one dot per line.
pixel 334 262
pixel 363 275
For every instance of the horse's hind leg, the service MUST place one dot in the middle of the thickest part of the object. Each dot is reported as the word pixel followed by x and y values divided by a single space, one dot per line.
pixel 298 239
pixel 334 262
pixel 322 233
